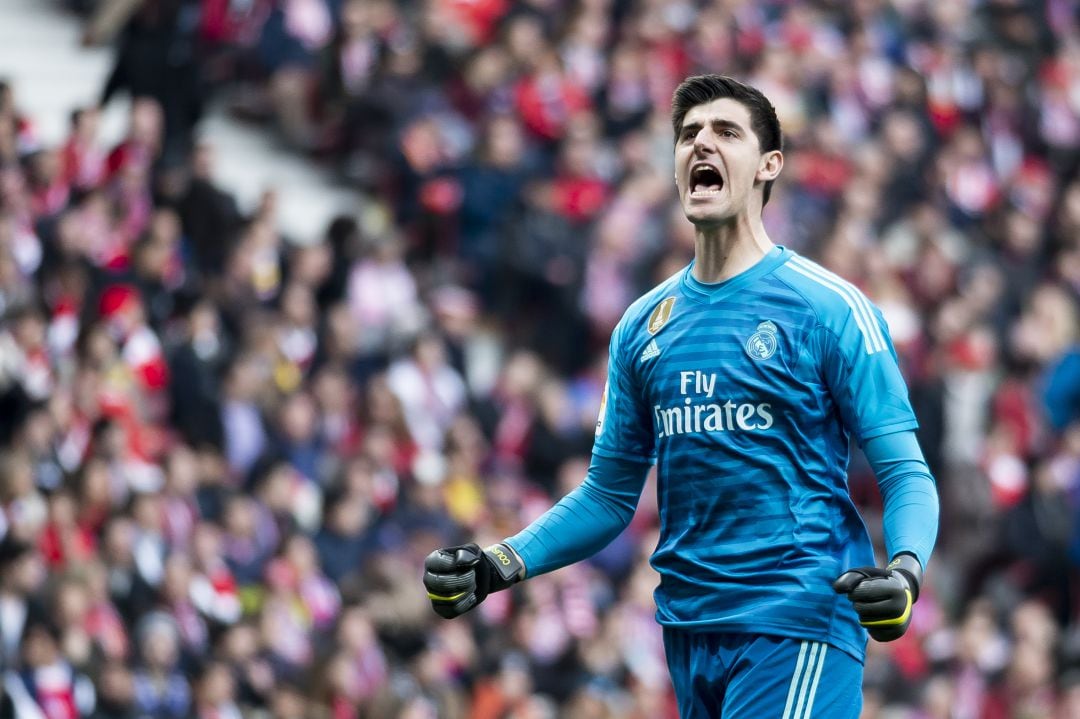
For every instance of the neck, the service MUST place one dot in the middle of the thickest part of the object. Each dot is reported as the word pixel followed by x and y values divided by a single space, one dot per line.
pixel 724 250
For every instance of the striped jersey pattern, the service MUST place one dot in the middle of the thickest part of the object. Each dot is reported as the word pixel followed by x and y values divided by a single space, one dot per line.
pixel 746 393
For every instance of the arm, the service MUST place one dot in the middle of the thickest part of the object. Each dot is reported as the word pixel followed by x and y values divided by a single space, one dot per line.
pixel 108 19
pixel 908 493
pixel 883 598
pixel 584 521
pixel 579 525
pixel 862 371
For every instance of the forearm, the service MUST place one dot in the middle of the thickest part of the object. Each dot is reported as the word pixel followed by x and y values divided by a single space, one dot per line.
pixel 109 18
pixel 908 493
pixel 584 521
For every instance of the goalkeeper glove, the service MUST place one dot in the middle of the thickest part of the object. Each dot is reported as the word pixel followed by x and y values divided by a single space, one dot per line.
pixel 883 597
pixel 458 578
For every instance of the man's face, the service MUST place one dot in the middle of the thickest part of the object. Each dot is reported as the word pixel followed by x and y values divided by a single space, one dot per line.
pixel 717 161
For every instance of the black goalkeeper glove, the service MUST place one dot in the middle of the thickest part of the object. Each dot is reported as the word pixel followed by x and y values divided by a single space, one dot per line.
pixel 459 578
pixel 883 597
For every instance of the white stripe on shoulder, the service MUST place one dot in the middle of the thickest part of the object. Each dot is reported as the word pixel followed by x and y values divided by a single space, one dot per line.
pixel 813 687
pixel 868 311
pixel 860 306
pixel 795 681
pixel 856 313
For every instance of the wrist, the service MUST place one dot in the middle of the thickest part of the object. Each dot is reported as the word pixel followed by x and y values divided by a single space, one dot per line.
pixel 524 571
pixel 908 567
pixel 506 565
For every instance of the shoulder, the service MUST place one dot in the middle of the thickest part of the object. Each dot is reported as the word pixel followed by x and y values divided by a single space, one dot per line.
pixel 840 306
pixel 833 299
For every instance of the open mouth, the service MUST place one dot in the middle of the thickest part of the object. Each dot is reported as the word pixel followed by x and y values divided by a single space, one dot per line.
pixel 705 181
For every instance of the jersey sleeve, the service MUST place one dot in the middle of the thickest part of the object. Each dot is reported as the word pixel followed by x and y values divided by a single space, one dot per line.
pixel 862 372
pixel 908 493
pixel 624 426
pixel 584 521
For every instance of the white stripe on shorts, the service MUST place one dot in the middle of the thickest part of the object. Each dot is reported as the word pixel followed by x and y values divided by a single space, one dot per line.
pixel 804 682
pixel 813 687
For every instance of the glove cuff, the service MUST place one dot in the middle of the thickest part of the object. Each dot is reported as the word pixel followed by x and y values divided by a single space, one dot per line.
pixel 508 567
pixel 909 567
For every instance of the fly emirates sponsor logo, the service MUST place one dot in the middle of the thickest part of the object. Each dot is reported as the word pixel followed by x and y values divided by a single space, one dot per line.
pixel 699 412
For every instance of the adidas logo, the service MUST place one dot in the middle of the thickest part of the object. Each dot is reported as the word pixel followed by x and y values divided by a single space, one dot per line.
pixel 651 350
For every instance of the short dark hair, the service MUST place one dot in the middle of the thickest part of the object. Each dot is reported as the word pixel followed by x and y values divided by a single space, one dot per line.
pixel 701 89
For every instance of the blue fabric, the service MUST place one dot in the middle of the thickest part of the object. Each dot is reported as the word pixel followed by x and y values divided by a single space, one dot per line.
pixel 908 493
pixel 746 393
pixel 584 521
pixel 1061 394
pixel 278 48
pixel 749 675
pixel 170 699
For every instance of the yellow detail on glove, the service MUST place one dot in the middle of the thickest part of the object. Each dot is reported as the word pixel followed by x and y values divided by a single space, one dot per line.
pixel 440 598
pixel 893 622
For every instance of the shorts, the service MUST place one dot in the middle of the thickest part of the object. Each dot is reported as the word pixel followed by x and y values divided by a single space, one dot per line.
pixel 756 676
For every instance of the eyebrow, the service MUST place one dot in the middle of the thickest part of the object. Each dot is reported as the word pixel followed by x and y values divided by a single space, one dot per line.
pixel 719 123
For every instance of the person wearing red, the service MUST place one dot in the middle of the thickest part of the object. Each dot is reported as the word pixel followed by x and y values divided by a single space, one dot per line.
pixel 82 156
pixel 49 683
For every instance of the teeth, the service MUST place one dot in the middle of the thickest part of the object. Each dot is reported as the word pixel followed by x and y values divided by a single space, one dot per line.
pixel 706 187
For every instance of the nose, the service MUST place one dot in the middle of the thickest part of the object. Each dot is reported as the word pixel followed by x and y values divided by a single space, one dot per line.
pixel 703 143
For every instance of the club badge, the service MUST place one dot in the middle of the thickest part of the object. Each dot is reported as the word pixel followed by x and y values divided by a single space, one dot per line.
pixel 762 344
pixel 660 315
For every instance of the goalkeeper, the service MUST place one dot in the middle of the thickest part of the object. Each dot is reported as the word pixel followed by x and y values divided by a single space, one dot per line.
pixel 742 377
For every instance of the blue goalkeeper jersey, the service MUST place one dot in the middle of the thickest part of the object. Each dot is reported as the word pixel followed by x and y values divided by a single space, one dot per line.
pixel 745 393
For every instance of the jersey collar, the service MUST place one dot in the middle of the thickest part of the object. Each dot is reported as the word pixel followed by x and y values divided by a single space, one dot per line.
pixel 710 292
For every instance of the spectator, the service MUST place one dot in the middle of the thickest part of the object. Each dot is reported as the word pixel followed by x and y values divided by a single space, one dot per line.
pixel 244 432
pixel 347 535
pixel 83 157
pixel 156 59
pixel 20 583
pixel 210 216
pixel 430 391
pixel 116 693
pixel 160 687
pixel 49 681
pixel 215 694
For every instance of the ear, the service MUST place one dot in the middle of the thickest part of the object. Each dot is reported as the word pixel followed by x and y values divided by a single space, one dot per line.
pixel 770 165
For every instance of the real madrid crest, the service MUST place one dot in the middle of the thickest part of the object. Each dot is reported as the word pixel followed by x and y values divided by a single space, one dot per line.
pixel 763 343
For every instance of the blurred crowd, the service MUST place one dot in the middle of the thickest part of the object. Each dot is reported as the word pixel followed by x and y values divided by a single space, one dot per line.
pixel 224 454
